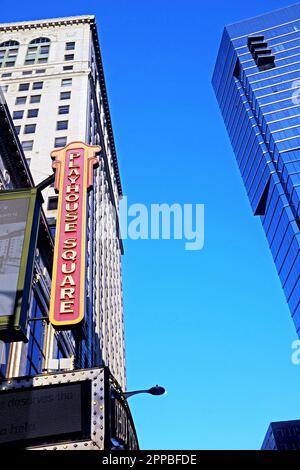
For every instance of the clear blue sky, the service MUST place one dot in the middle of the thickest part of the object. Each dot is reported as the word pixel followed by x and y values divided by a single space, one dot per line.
pixel 212 326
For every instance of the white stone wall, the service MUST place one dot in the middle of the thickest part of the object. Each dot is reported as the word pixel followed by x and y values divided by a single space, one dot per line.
pixel 40 162
pixel 107 291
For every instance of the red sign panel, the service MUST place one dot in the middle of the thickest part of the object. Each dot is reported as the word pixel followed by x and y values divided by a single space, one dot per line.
pixel 74 176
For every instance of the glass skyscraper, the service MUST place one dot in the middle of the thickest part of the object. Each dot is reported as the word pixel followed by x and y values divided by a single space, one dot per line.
pixel 283 435
pixel 257 85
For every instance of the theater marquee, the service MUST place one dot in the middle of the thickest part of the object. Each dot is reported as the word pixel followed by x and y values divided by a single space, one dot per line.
pixel 73 178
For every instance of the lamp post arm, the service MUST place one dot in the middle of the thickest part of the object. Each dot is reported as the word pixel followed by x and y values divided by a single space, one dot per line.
pixel 135 392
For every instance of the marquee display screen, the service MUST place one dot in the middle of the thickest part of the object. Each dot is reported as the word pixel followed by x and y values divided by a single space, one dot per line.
pixel 45 414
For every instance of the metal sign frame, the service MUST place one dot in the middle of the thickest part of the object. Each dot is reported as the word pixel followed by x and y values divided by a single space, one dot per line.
pixel 46 412
pixel 97 378
pixel 100 404
pixel 14 327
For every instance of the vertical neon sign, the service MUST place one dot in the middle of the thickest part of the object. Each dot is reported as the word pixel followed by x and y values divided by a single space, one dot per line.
pixel 73 166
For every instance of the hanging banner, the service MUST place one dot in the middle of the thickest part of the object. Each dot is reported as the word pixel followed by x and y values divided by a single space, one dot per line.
pixel 73 167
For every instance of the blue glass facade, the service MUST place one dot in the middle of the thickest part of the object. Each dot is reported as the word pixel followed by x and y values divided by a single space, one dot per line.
pixel 283 435
pixel 257 85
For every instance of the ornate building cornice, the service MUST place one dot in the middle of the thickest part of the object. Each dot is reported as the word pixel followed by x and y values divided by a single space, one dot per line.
pixel 68 21
pixel 49 23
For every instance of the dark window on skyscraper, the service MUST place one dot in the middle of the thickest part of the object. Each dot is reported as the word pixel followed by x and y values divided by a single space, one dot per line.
pixel 18 114
pixel 70 46
pixel 60 142
pixel 52 203
pixel 69 57
pixel 63 109
pixel 24 86
pixel 61 125
pixel 236 72
pixel 27 145
pixel 4 351
pixel 32 113
pixel 35 354
pixel 35 98
pixel 29 129
pixel 37 85
pixel 8 53
pixel 65 95
pixel 38 51
pixel 66 82
pixel 21 100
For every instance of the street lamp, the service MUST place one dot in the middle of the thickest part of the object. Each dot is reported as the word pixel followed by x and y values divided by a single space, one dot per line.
pixel 157 390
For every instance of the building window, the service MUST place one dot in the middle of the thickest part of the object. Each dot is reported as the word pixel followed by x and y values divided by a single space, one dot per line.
pixel 37 85
pixel 63 109
pixel 70 46
pixel 29 129
pixel 4 352
pixel 68 68
pixel 17 129
pixel 18 114
pixel 44 49
pixel 4 88
pixel 21 100
pixel 38 51
pixel 24 86
pixel 35 99
pixel 61 125
pixel 27 72
pixel 52 203
pixel 8 53
pixel 40 71
pixel 27 145
pixel 65 95
pixel 60 142
pixel 6 75
pixel 69 57
pixel 35 354
pixel 32 113
pixel 28 160
pixel 66 82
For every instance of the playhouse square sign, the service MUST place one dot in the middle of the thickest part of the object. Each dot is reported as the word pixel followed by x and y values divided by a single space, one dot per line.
pixel 73 167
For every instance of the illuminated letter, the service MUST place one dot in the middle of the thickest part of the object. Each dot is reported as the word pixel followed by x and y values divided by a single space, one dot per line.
pixel 71 227
pixel 67 292
pixel 70 243
pixel 65 270
pixel 72 207
pixel 69 255
pixel 68 280
pixel 72 197
pixel 67 307
pixel 73 188
pixel 71 217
